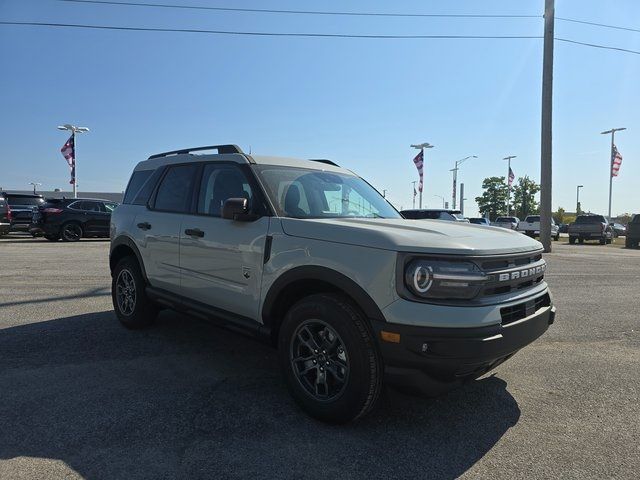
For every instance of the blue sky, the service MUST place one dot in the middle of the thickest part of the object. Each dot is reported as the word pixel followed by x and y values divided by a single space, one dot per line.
pixel 358 102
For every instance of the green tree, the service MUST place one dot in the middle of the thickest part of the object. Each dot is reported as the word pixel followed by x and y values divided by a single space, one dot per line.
pixel 493 201
pixel 524 202
pixel 559 215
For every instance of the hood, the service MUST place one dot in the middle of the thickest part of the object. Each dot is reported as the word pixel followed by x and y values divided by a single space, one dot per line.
pixel 419 236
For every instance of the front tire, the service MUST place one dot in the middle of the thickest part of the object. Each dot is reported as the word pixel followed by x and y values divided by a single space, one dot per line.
pixel 130 302
pixel 572 240
pixel 71 232
pixel 329 358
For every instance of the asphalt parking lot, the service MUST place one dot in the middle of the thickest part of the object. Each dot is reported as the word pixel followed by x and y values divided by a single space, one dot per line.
pixel 81 397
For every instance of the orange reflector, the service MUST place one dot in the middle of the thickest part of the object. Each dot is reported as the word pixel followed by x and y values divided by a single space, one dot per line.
pixel 390 336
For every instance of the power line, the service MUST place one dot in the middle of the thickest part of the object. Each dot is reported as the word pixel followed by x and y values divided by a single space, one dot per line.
pixel 301 12
pixel 594 45
pixel 313 35
pixel 628 29
pixel 268 34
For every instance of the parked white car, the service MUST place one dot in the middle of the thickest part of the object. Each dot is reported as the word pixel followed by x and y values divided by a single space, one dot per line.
pixel 531 226
pixel 506 222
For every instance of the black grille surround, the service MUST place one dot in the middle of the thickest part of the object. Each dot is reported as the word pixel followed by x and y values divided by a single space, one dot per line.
pixel 507 275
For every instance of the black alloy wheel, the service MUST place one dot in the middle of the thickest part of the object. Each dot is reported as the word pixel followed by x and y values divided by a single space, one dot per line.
pixel 71 232
pixel 319 360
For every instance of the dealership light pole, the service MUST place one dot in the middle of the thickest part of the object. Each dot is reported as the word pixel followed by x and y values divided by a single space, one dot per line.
pixel 455 179
pixel 578 199
pixel 35 184
pixel 508 159
pixel 74 129
pixel 612 132
pixel 440 196
pixel 421 147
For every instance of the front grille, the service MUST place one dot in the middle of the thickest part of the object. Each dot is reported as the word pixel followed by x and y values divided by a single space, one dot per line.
pixel 525 309
pixel 512 274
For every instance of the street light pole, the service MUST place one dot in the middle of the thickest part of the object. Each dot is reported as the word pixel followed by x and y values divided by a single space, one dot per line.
pixel 74 129
pixel 35 184
pixel 508 159
pixel 612 132
pixel 578 199
pixel 455 179
pixel 440 196
pixel 421 147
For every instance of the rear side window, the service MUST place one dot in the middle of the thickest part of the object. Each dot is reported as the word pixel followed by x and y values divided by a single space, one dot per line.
pixel 174 192
pixel 143 195
pixel 136 182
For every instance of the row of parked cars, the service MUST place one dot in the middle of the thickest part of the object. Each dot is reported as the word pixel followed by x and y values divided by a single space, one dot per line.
pixel 66 219
pixel 586 227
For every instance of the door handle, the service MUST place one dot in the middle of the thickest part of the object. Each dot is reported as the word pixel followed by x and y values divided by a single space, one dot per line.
pixel 144 226
pixel 194 232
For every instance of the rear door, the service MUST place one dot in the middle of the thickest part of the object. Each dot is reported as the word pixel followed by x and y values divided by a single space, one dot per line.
pixel 157 227
pixel 221 260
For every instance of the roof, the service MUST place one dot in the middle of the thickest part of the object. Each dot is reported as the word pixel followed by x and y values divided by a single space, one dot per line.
pixel 448 210
pixel 240 158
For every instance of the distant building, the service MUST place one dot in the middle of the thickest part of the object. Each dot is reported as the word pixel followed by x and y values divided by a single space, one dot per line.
pixel 111 196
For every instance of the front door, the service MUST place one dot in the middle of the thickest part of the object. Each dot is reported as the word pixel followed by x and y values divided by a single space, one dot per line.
pixel 221 260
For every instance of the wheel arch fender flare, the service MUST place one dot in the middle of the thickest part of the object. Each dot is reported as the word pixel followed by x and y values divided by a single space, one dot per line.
pixel 120 246
pixel 324 275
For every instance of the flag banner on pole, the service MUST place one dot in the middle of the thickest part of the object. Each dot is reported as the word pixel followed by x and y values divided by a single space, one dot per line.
pixel 419 163
pixel 69 153
pixel 616 162
pixel 414 192
pixel 511 176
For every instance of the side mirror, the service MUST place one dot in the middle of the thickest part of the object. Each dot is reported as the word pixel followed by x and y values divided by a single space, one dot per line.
pixel 237 209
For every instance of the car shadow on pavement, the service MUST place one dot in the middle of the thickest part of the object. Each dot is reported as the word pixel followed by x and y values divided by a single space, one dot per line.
pixel 187 399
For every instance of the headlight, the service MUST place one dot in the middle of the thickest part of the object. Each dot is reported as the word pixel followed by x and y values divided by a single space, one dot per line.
pixel 440 279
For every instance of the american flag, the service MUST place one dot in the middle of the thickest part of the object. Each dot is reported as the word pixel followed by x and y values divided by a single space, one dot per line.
pixel 616 162
pixel 69 153
pixel 419 163
pixel 511 176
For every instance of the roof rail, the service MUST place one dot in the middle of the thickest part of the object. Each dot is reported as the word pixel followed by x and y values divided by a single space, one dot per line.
pixel 220 148
pixel 324 160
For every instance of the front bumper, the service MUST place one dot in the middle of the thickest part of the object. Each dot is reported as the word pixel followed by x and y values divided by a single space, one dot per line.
pixel 433 360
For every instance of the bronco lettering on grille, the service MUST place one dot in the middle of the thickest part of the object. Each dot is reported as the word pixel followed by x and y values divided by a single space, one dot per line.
pixel 524 273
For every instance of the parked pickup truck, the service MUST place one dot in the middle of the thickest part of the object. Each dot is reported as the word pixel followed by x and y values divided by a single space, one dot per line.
pixel 633 233
pixel 531 226
pixel 590 227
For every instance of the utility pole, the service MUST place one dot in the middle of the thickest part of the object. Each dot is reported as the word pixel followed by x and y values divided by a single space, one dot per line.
pixel 612 132
pixel 421 147
pixel 74 129
pixel 578 199
pixel 455 178
pixel 546 130
pixel 413 194
pixel 508 159
pixel 462 199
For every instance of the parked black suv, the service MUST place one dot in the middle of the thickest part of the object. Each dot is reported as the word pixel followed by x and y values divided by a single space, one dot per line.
pixel 72 218
pixel 22 206
pixel 5 216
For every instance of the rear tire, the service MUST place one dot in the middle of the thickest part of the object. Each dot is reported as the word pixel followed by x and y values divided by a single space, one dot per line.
pixel 572 240
pixel 130 302
pixel 581 241
pixel 557 237
pixel 329 358
pixel 71 232
pixel 603 241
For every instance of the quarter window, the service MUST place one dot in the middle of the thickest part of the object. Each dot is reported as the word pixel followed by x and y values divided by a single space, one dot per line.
pixel 174 192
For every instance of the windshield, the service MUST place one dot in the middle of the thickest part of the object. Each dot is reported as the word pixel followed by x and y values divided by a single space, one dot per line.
pixel 307 193
pixel 25 201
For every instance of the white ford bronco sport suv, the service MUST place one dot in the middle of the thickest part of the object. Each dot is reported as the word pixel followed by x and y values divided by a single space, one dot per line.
pixel 310 257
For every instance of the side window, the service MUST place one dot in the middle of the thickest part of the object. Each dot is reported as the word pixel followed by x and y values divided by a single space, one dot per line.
pixel 92 206
pixel 135 183
pixel 109 207
pixel 77 205
pixel 174 192
pixel 219 183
